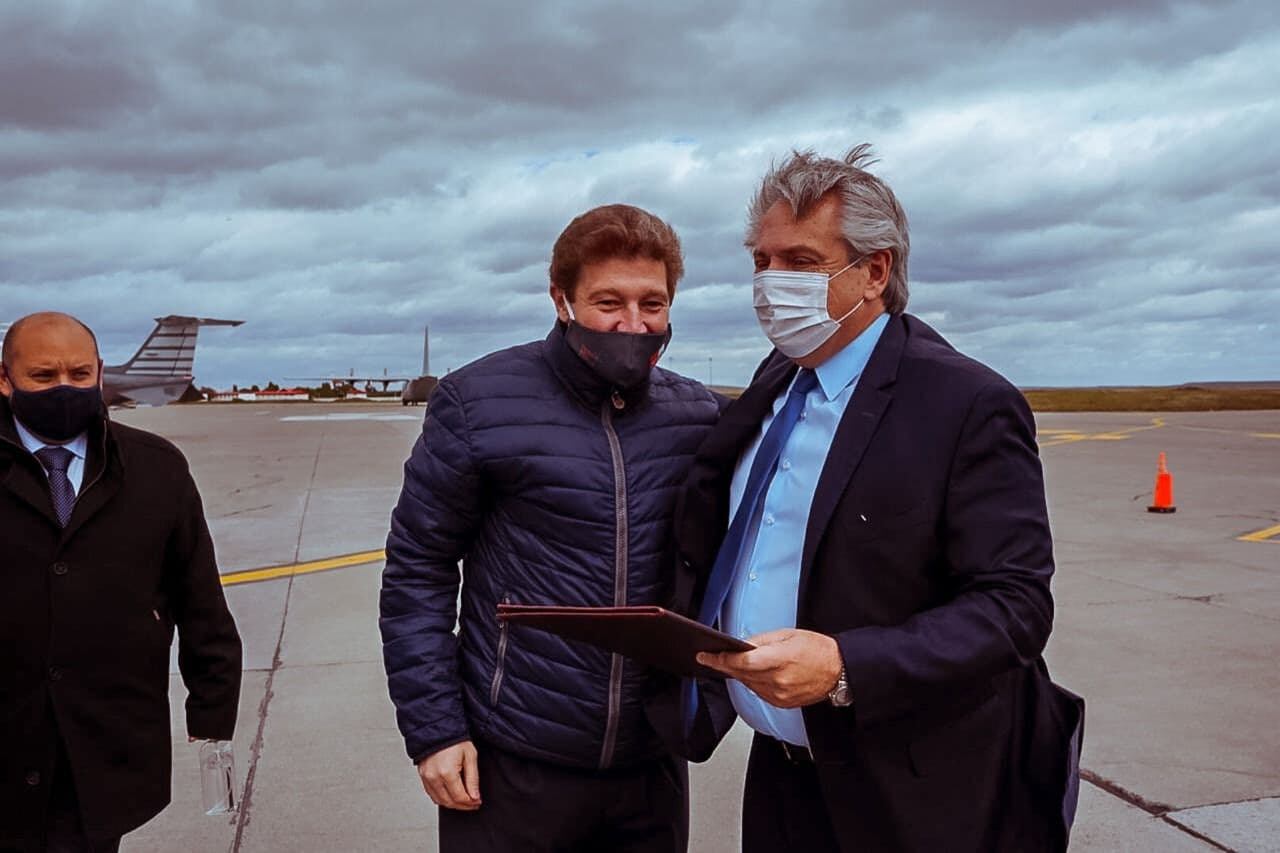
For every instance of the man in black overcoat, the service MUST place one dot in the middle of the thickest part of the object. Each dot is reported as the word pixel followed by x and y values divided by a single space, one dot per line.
pixel 104 553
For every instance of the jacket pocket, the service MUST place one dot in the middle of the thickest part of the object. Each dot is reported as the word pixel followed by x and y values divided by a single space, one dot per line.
pixel 950 746
pixel 162 616
pixel 495 688
pixel 873 523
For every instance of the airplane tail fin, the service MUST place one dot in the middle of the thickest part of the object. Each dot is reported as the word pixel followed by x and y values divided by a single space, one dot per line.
pixel 170 350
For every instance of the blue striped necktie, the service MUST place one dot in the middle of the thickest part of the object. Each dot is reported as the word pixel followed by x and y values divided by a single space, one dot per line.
pixel 762 470
pixel 56 460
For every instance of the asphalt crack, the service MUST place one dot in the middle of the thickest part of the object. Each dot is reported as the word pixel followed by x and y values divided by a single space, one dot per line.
pixel 1156 809
pixel 255 750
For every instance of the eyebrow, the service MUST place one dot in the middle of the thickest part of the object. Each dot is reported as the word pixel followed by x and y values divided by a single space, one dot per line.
pixel 84 365
pixel 798 248
pixel 610 292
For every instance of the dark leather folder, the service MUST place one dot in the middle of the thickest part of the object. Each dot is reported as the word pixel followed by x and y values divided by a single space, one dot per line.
pixel 650 635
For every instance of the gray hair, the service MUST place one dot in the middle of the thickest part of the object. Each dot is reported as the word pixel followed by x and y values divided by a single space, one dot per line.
pixel 870 216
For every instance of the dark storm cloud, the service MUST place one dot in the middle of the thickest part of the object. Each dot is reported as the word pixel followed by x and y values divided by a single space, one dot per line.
pixel 58 75
pixel 1092 186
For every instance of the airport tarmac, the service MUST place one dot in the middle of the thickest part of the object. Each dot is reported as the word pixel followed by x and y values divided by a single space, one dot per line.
pixel 1168 625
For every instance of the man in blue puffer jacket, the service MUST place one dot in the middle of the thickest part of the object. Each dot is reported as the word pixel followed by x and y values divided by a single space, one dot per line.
pixel 550 471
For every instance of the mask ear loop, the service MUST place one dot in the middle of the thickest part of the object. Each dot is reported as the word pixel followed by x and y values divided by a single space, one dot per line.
pixel 856 260
pixel 847 266
pixel 851 310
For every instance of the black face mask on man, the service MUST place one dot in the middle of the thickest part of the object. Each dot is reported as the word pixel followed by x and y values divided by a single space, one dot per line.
pixel 622 359
pixel 57 414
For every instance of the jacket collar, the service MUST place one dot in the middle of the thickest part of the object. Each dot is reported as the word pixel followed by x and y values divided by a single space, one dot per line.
pixel 104 457
pixel 583 383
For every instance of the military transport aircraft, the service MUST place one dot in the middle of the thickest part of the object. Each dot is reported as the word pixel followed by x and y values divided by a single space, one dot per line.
pixel 414 389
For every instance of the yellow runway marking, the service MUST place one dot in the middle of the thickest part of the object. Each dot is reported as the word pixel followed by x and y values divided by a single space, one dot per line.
pixel 273 572
pixel 1271 534
pixel 1231 431
pixel 1062 436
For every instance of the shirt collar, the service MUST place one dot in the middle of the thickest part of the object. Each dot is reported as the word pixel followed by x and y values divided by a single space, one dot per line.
pixel 836 373
pixel 78 445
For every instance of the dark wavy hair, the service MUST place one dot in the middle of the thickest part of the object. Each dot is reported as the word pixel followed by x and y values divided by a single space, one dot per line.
pixel 615 231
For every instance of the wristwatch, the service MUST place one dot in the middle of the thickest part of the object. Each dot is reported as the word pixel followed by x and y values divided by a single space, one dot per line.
pixel 841 696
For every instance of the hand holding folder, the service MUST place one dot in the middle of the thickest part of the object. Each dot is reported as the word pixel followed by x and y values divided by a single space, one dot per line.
pixel 648 634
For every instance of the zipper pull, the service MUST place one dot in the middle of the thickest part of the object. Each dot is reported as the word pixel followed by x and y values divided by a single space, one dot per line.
pixel 618 402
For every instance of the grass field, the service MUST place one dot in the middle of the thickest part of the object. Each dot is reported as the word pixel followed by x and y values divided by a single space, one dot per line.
pixel 1177 398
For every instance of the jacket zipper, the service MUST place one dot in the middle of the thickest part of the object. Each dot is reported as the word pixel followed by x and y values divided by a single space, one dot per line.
pixel 619 572
pixel 496 687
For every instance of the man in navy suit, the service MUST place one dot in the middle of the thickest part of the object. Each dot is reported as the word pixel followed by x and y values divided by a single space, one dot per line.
pixel 870 514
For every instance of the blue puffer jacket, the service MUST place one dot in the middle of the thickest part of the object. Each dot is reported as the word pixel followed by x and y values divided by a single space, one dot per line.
pixel 549 489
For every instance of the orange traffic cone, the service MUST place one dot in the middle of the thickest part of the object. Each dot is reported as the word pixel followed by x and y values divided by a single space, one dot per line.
pixel 1162 501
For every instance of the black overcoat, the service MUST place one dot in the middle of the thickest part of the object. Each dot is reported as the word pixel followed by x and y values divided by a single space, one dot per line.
pixel 928 557
pixel 87 615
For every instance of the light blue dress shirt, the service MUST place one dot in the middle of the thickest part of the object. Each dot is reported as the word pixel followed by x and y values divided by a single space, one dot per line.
pixel 766 580
pixel 78 446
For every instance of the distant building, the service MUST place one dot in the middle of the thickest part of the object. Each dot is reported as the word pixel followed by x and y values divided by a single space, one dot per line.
pixel 284 395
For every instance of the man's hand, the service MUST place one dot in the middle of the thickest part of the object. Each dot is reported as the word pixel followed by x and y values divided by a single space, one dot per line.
pixel 789 668
pixel 451 777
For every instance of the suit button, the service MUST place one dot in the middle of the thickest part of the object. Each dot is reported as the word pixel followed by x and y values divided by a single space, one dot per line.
pixel 55 674
pixel 32 778
pixel 60 568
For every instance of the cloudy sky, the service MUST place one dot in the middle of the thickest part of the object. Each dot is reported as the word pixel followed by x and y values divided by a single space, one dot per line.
pixel 1093 187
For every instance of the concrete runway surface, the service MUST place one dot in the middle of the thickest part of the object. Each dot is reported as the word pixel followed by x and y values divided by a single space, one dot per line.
pixel 1169 625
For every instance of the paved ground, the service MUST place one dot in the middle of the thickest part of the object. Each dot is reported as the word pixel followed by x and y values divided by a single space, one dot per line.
pixel 1169 625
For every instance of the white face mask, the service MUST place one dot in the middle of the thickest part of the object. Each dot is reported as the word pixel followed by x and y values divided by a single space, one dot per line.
pixel 792 309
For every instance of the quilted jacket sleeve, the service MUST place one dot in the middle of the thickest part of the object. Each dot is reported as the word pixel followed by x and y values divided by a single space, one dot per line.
pixel 431 530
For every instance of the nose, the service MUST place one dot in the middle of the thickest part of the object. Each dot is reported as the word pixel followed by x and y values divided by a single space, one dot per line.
pixel 631 320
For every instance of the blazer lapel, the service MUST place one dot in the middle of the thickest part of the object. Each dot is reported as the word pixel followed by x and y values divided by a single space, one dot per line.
pixel 853 435
pixel 744 416
pixel 702 510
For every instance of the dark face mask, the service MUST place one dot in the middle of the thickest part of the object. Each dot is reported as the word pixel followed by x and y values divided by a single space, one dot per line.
pixel 622 359
pixel 57 414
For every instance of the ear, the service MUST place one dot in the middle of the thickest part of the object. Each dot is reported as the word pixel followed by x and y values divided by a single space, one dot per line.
pixel 6 387
pixel 558 299
pixel 879 266
pixel 101 375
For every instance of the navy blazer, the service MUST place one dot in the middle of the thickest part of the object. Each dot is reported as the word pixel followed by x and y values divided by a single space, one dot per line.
pixel 928 557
